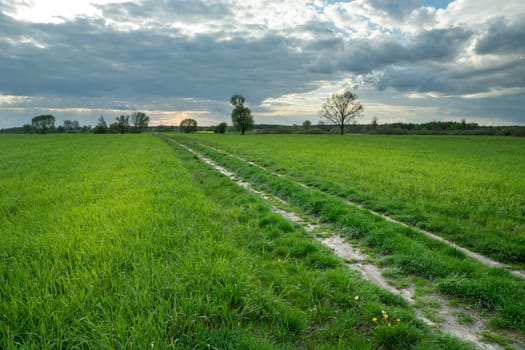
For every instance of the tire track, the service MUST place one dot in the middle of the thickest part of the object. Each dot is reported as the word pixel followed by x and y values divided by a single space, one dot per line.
pixel 356 260
pixel 477 256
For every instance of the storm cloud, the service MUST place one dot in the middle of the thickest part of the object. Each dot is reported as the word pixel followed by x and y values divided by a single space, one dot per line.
pixel 182 55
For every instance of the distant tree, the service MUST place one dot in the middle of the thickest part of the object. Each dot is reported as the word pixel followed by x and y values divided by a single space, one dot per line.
pixel 28 129
pixel 122 123
pixel 373 123
pixel 70 125
pixel 321 124
pixel 241 116
pixel 140 121
pixel 237 100
pixel 307 124
pixel 113 128
pixel 43 123
pixel 221 128
pixel 188 125
pixel 341 109
pixel 102 127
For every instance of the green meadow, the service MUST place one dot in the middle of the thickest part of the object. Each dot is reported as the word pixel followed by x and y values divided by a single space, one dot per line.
pixel 408 257
pixel 124 241
pixel 470 190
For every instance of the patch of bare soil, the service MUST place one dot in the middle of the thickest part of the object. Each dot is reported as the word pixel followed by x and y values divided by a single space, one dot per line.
pixel 448 321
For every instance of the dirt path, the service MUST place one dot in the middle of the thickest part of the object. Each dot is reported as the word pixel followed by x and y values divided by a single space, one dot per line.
pixel 357 260
pixel 479 257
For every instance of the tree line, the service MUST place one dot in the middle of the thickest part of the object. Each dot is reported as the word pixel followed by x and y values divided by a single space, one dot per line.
pixel 430 128
pixel 339 114
pixel 339 108
pixel 241 115
pixel 134 123
pixel 137 122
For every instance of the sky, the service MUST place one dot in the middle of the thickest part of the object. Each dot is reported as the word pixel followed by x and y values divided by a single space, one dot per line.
pixel 408 61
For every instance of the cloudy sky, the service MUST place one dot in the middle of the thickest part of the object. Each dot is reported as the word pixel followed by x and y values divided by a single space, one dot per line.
pixel 408 61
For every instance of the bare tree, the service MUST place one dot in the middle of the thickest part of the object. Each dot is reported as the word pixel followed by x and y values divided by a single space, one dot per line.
pixel 341 109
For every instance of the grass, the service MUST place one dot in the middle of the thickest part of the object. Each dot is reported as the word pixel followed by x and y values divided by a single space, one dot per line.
pixel 489 291
pixel 111 241
pixel 467 189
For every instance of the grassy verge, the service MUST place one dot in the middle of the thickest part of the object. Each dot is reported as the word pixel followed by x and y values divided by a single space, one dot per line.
pixel 493 292
pixel 467 189
pixel 108 241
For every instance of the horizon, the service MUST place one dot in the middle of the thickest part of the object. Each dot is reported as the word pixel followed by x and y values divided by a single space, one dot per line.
pixel 317 124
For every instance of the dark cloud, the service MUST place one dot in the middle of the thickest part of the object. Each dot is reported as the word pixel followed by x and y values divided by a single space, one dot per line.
pixel 86 57
pixel 364 56
pixel 168 11
pixel 10 29
pixel 439 44
pixel 452 79
pixel 100 60
pixel 502 37
pixel 396 9
pixel 10 5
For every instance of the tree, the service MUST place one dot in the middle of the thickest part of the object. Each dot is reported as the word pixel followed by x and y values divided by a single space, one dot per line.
pixel 188 125
pixel 28 129
pixel 68 125
pixel 113 128
pixel 373 123
pixel 122 123
pixel 341 109
pixel 307 124
pixel 140 121
pixel 102 126
pixel 43 123
pixel 71 125
pixel 241 116
pixel 221 128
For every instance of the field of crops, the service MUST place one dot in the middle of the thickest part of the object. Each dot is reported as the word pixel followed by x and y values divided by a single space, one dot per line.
pixel 126 241
pixel 121 241
pixel 407 256
pixel 468 189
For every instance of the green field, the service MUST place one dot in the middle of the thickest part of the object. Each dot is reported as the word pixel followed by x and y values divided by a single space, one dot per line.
pixel 470 190
pixel 120 241
pixel 409 257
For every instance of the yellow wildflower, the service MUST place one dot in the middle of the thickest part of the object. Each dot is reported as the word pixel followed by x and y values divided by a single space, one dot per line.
pixel 385 316
pixel 374 319
pixel 398 320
